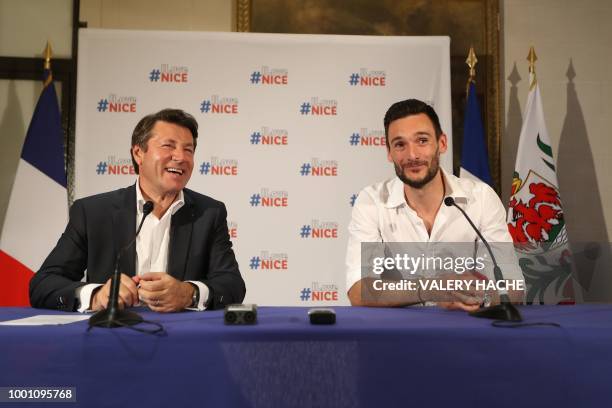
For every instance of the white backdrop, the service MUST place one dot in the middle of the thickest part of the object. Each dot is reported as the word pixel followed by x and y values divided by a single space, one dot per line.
pixel 284 105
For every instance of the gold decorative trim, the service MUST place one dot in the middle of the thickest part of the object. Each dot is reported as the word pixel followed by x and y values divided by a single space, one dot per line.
pixel 243 15
pixel 493 106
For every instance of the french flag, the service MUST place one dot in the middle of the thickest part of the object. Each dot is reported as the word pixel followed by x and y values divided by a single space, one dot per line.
pixel 38 207
pixel 474 156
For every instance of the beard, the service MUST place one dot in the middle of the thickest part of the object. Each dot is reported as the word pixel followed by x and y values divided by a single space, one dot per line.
pixel 432 171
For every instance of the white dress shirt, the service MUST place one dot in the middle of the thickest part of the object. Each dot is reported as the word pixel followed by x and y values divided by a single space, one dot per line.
pixel 381 214
pixel 152 246
pixel 153 241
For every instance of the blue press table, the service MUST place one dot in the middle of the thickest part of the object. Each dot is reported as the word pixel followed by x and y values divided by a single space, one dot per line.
pixel 418 357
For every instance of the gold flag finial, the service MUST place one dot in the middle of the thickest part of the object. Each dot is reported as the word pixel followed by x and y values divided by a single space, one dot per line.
pixel 471 62
pixel 48 53
pixel 532 58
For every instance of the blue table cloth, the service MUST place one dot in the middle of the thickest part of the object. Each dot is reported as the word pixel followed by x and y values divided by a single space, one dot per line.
pixel 419 357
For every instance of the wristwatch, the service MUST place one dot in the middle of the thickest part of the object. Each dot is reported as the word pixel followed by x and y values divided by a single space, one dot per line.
pixel 195 298
pixel 487 300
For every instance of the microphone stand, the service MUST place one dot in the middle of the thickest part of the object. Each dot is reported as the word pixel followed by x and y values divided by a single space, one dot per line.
pixel 112 316
pixel 505 310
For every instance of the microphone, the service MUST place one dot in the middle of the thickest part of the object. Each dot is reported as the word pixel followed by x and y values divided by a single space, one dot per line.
pixel 112 316
pixel 505 310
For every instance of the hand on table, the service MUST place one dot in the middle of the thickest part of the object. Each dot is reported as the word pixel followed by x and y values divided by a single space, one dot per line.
pixel 163 293
pixel 128 294
pixel 468 299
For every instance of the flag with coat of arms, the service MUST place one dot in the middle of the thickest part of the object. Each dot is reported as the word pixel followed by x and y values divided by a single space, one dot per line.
pixel 535 214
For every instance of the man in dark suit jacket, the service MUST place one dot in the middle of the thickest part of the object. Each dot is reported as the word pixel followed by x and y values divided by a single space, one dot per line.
pixel 190 230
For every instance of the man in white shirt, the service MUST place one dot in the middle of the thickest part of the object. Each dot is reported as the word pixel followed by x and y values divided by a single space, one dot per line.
pixel 409 208
pixel 182 258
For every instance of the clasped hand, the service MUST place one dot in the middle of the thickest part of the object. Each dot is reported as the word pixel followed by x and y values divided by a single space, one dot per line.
pixel 158 290
pixel 468 299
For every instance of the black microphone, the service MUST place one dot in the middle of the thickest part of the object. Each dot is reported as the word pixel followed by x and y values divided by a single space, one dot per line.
pixel 505 310
pixel 112 316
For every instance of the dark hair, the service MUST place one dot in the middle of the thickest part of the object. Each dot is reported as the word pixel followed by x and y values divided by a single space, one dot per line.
pixel 142 131
pixel 411 107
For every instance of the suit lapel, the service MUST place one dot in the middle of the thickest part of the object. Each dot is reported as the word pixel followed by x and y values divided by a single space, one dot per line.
pixel 180 239
pixel 124 228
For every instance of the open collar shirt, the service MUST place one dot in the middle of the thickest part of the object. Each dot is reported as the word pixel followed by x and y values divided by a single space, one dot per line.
pixel 381 214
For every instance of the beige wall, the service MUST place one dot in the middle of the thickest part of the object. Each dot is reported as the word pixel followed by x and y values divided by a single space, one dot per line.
pixel 26 25
pixel 25 28
pixel 183 15
pixel 573 41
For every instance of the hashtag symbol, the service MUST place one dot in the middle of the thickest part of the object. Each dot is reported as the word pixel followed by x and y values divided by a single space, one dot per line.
pixel 354 139
pixel 101 168
pixel 204 168
pixel 354 80
pixel 255 77
pixel 305 231
pixel 305 169
pixel 102 105
pixel 205 106
pixel 254 264
pixel 353 198
pixel 255 137
pixel 255 198
pixel 305 294
pixel 154 75
pixel 305 108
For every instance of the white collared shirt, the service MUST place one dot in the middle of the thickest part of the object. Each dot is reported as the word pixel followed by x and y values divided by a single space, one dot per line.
pixel 153 241
pixel 152 246
pixel 381 214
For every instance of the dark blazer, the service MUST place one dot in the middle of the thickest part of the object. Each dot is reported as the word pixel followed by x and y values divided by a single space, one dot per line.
pixel 100 225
